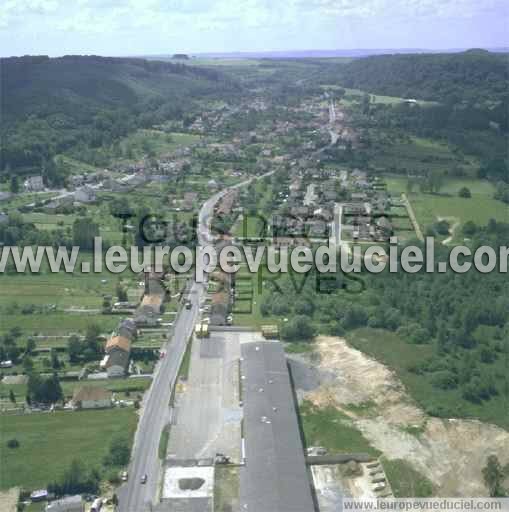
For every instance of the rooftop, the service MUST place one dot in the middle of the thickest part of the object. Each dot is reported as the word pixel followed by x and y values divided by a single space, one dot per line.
pixel 118 342
pixel 275 476
pixel 91 393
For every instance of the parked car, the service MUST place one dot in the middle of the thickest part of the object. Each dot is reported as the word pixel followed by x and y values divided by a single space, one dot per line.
pixel 124 476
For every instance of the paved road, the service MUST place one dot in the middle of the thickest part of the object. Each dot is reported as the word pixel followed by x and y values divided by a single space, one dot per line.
pixel 135 496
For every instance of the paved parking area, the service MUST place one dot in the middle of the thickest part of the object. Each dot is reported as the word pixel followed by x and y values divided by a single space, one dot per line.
pixel 208 415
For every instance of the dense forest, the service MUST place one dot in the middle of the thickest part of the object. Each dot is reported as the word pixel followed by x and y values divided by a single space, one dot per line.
pixel 51 105
pixel 475 77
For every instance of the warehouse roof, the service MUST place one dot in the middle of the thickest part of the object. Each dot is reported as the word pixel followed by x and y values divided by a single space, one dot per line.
pixel 275 476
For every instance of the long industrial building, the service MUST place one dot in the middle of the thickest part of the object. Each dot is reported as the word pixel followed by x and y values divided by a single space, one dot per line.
pixel 274 478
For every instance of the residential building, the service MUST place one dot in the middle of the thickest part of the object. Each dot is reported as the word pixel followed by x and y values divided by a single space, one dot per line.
pixel 116 363
pixel 91 397
pixel 150 310
pixel 116 360
pixel 118 343
pixel 85 195
pixel 33 184
pixel 127 329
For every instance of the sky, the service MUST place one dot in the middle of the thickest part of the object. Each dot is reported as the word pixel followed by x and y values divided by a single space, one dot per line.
pixel 144 27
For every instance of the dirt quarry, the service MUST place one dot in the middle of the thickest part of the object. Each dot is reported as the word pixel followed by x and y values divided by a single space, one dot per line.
pixel 449 452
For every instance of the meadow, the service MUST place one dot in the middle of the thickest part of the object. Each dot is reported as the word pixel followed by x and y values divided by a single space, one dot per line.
pixel 429 208
pixel 357 94
pixel 155 142
pixel 50 441
pixel 332 429
pixel 417 156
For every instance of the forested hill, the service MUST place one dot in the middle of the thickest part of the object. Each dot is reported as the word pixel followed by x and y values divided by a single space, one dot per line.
pixel 474 77
pixel 49 105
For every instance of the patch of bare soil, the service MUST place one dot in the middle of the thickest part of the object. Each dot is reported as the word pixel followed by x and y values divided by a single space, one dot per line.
pixel 450 452
pixel 9 499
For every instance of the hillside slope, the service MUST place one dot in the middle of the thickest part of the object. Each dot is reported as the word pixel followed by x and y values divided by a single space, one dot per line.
pixel 49 105
pixel 474 76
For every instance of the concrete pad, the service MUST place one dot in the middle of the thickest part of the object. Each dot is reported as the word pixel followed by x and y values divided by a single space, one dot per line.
pixel 173 478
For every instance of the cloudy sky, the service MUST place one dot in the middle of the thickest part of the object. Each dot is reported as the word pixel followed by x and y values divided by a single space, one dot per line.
pixel 136 27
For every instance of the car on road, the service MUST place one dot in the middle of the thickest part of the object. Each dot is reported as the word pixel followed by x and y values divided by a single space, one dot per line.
pixel 188 304
pixel 124 476
pixel 144 479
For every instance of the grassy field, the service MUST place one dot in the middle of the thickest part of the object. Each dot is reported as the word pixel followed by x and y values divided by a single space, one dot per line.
pixel 480 208
pixel 50 441
pixel 357 94
pixel 388 348
pixel 23 199
pixel 57 324
pixel 417 155
pixel 43 303
pixel 247 312
pixel 156 142
pixel 67 285
pixel 77 166
pixel 253 226
pixel 405 481
pixel 333 430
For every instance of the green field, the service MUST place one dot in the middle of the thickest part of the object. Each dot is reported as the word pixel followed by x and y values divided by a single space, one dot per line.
pixel 428 208
pixel 357 94
pixel 50 441
pixel 417 156
pixel 252 226
pixel 247 312
pixel 405 481
pixel 41 303
pixel 156 142
pixel 333 430
pixel 24 199
pixel 57 324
